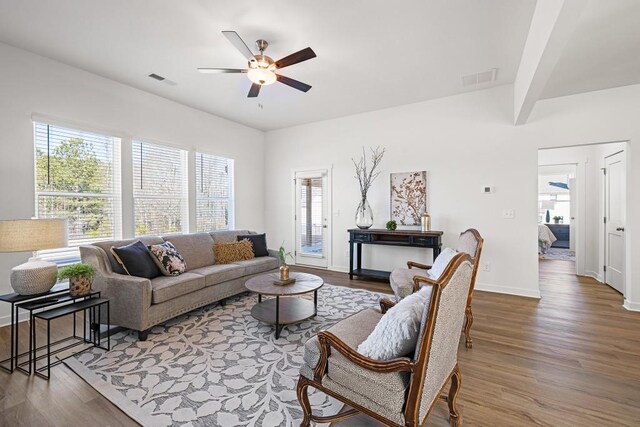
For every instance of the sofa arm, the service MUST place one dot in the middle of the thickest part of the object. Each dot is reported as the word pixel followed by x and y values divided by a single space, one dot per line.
pixel 129 296
pixel 273 253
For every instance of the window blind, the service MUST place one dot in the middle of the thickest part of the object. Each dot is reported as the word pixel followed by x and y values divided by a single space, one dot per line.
pixel 159 189
pixel 214 192
pixel 77 177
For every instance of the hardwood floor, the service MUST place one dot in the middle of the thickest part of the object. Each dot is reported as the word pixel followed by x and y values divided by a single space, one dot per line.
pixel 569 359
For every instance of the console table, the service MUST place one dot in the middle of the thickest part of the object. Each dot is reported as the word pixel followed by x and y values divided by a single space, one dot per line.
pixel 381 237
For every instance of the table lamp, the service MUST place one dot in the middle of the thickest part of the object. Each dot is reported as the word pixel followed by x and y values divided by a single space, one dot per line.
pixel 35 276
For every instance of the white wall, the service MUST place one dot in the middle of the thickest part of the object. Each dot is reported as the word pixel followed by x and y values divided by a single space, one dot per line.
pixel 33 84
pixel 465 142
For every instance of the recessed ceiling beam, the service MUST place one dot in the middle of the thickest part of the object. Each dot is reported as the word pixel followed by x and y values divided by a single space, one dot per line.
pixel 552 25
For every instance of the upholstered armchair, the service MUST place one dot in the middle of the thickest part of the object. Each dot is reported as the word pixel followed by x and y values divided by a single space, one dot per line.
pixel 405 281
pixel 401 391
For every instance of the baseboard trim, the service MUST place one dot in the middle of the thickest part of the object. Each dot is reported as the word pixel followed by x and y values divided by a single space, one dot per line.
pixel 631 306
pixel 6 320
pixel 594 275
pixel 339 269
pixel 489 287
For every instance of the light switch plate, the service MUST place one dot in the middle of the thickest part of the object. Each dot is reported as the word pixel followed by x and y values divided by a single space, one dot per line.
pixel 509 214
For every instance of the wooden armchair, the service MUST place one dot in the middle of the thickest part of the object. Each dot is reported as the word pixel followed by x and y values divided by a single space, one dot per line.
pixel 398 392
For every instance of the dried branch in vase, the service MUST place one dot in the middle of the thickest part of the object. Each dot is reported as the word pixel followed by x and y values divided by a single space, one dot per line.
pixel 365 174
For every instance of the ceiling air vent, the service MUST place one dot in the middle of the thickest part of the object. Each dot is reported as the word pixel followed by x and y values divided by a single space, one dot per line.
pixel 162 79
pixel 480 78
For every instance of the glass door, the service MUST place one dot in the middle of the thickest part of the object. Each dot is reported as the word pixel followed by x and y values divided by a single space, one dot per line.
pixel 311 218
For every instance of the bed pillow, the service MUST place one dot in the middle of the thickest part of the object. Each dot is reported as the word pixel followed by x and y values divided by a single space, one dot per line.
pixel 396 334
pixel 168 259
pixel 136 260
pixel 228 252
pixel 441 263
pixel 259 242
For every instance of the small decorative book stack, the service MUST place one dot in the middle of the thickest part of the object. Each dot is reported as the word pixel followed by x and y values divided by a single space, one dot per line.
pixel 289 281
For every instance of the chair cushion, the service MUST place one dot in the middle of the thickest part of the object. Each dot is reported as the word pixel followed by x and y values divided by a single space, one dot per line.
pixel 441 263
pixel 168 259
pixel 228 252
pixel 196 249
pixel 258 265
pixel 165 288
pixel 214 274
pixel 258 242
pixel 354 330
pixel 396 333
pixel 136 260
pixel 401 280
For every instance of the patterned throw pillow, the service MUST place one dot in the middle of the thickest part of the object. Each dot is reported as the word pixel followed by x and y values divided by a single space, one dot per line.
pixel 228 252
pixel 168 259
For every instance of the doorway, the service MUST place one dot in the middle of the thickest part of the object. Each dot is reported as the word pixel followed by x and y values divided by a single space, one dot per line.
pixel 615 210
pixel 311 218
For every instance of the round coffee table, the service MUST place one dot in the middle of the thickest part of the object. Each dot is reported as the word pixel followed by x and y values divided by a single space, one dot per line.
pixel 284 311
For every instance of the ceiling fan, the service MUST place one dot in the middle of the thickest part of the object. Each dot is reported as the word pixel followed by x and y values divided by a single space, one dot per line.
pixel 261 68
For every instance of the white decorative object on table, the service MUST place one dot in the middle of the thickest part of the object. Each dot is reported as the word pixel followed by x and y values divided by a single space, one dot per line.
pixel 35 276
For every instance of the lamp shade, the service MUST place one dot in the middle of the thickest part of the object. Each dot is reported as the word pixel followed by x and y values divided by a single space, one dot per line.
pixel 22 235
pixel 547 204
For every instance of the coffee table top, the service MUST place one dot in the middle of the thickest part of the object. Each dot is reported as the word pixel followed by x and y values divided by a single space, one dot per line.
pixel 305 282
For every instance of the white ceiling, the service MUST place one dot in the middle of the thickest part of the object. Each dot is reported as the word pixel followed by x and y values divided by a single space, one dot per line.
pixel 603 52
pixel 372 54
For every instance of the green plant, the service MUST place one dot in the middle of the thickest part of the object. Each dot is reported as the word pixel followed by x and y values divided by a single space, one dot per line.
pixel 558 218
pixel 283 254
pixel 392 225
pixel 76 270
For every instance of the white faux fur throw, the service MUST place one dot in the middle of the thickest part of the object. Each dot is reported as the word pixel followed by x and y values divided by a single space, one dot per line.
pixel 396 334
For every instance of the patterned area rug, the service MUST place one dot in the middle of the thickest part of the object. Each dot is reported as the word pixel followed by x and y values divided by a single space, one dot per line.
pixel 216 366
pixel 559 254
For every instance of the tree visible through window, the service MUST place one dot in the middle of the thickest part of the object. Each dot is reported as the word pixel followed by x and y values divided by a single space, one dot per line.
pixel 75 174
pixel 214 192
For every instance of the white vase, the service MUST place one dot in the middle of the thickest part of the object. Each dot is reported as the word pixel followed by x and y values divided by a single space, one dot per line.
pixel 364 214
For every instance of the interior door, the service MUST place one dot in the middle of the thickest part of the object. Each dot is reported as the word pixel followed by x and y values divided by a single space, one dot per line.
pixel 312 245
pixel 615 208
pixel 573 208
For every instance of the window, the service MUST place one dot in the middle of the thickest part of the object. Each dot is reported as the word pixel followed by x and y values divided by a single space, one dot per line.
pixel 214 192
pixel 77 177
pixel 159 189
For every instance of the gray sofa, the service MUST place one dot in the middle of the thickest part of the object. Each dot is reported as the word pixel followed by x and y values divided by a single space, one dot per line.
pixel 138 303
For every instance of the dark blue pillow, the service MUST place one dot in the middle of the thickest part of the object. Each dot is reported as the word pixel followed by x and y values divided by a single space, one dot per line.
pixel 259 242
pixel 136 260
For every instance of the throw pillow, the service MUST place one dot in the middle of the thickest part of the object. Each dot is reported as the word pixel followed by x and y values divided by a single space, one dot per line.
pixel 259 242
pixel 136 260
pixel 396 334
pixel 441 263
pixel 168 259
pixel 228 252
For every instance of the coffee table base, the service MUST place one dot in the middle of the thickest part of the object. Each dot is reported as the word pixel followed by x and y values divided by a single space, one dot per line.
pixel 281 311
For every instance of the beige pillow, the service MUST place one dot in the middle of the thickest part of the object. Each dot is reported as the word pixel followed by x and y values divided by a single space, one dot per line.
pixel 228 252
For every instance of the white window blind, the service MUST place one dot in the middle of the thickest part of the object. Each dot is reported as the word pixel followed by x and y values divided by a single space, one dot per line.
pixel 214 192
pixel 78 177
pixel 159 189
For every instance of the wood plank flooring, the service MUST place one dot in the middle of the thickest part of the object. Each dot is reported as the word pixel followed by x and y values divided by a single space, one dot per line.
pixel 569 359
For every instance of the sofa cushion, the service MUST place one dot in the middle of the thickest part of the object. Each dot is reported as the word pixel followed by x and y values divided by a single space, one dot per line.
pixel 227 235
pixel 228 252
pixel 164 288
pixel 107 245
pixel 196 249
pixel 214 274
pixel 258 243
pixel 168 259
pixel 258 265
pixel 353 331
pixel 136 260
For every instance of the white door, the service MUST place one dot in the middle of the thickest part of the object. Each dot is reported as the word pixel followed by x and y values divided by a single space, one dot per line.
pixel 311 218
pixel 615 205
pixel 573 208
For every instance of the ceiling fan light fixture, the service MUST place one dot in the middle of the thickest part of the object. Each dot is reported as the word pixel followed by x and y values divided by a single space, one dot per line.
pixel 261 76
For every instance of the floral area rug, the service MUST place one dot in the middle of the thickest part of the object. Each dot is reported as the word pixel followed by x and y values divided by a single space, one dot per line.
pixel 216 366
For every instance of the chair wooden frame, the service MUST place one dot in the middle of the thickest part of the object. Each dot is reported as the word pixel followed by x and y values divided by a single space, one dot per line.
pixel 416 368
pixel 418 280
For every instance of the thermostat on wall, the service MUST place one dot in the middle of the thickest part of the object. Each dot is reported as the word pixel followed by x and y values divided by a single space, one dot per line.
pixel 487 189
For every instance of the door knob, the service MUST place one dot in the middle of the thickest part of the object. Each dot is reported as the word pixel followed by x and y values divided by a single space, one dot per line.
pixel 620 229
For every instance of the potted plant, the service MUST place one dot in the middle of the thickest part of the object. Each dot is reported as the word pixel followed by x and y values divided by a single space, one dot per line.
pixel 392 225
pixel 366 173
pixel 284 268
pixel 80 278
pixel 557 219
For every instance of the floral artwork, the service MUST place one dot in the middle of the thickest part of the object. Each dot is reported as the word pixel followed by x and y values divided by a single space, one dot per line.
pixel 408 197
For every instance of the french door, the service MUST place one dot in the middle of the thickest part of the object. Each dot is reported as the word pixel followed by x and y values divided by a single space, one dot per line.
pixel 311 218
pixel 615 208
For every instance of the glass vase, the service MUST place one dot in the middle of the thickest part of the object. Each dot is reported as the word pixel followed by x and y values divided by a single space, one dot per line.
pixel 364 215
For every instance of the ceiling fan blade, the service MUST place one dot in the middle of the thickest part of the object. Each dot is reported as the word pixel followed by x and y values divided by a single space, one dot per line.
pixel 293 83
pixel 239 44
pixel 294 58
pixel 254 91
pixel 221 70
